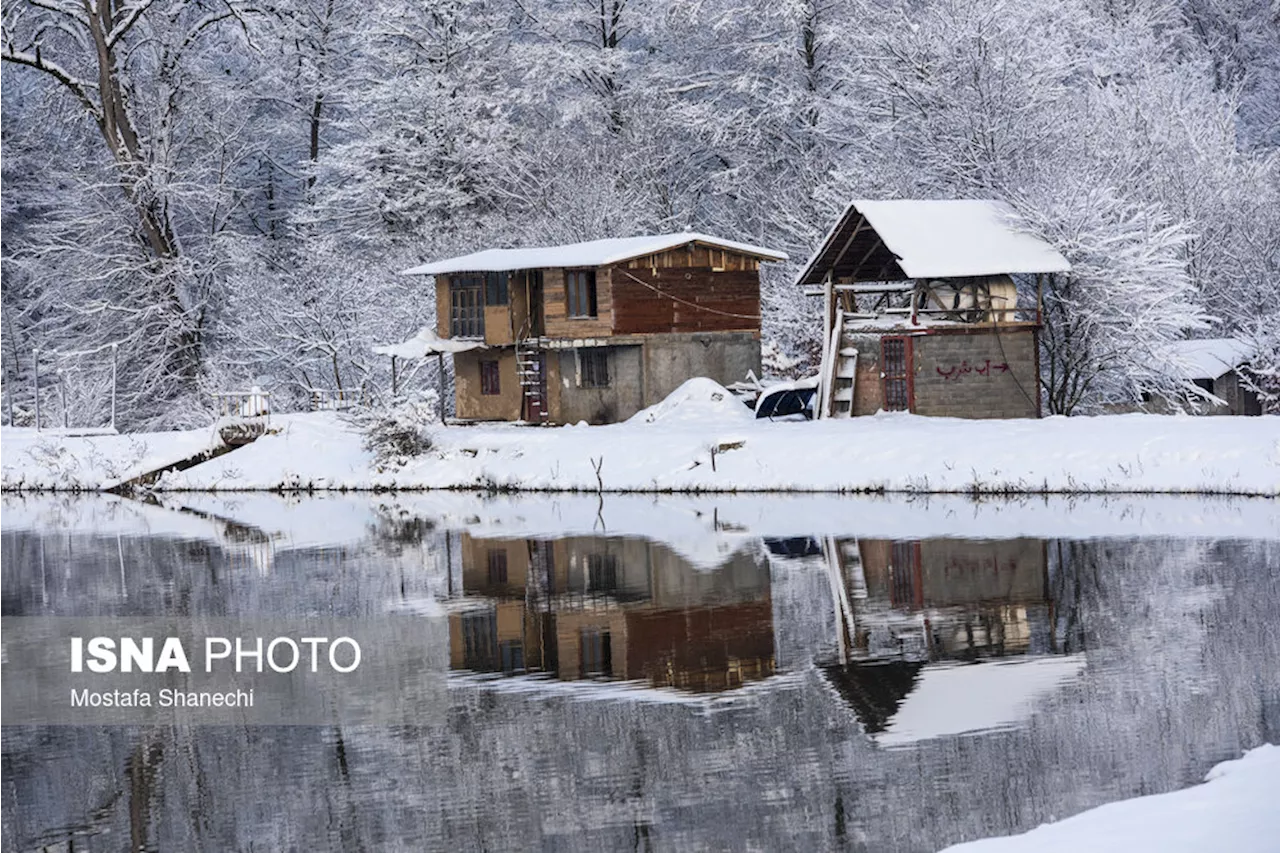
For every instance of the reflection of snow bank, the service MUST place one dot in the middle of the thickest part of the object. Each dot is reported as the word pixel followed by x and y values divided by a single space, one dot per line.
pixel 1235 811
pixel 954 699
pixel 699 400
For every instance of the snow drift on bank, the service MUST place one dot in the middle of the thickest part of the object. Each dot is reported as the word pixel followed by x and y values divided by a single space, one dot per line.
pixel 1234 810
pixel 699 439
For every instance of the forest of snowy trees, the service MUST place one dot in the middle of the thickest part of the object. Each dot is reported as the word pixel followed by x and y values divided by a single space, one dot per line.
pixel 223 192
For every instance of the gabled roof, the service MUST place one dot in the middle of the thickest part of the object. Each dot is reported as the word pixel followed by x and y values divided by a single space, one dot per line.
pixel 1208 358
pixel 898 239
pixel 595 253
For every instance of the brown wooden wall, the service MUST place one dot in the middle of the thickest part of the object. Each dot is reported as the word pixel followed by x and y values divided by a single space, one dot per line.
pixel 559 324
pixel 695 255
pixel 442 306
pixel 639 309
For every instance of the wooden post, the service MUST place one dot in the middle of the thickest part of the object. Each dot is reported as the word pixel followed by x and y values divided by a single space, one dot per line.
pixel 62 393
pixel 35 362
pixel 8 401
pixel 115 352
pixel 395 390
pixel 440 363
pixel 1039 298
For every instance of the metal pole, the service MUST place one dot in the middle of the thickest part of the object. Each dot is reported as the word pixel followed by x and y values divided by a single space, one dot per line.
pixel 62 394
pixel 35 361
pixel 440 362
pixel 115 352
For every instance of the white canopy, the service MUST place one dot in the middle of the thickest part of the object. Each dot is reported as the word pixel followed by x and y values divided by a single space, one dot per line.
pixel 426 343
pixel 1208 358
pixel 949 238
pixel 595 253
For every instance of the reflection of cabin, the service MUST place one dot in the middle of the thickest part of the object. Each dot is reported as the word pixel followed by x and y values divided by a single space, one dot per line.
pixel 1217 367
pixel 612 607
pixel 597 331
pixel 945 598
pixel 922 313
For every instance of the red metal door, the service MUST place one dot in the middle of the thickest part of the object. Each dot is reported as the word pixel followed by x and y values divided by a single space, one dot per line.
pixel 895 373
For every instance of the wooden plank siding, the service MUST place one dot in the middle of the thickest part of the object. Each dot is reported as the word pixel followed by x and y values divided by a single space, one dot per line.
pixel 696 255
pixel 442 306
pixel 559 324
pixel 713 289
pixel 704 300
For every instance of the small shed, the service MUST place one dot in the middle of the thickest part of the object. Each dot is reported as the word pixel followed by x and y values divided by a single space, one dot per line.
pixel 1218 367
pixel 922 309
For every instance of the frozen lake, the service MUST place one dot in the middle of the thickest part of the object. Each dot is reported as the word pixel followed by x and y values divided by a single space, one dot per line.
pixel 669 672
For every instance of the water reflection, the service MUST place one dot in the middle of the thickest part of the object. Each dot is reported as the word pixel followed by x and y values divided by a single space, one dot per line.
pixel 607 607
pixel 714 674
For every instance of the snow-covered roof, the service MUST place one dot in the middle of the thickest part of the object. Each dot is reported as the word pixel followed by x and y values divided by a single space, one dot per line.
pixel 426 343
pixel 951 699
pixel 949 238
pixel 1208 358
pixel 594 253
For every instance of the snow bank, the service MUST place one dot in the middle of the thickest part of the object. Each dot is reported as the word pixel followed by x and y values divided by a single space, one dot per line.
pixel 693 442
pixel 49 460
pixel 697 401
pixel 1234 810
pixel 683 451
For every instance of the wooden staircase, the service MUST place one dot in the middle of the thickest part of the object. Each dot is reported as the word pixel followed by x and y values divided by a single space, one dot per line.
pixel 839 372
pixel 531 370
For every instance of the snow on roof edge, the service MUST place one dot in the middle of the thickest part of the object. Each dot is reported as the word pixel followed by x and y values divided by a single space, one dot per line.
pixel 915 260
pixel 592 253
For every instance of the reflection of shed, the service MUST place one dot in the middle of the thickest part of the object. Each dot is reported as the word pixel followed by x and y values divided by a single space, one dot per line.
pixel 921 310
pixel 944 598
pixel 612 607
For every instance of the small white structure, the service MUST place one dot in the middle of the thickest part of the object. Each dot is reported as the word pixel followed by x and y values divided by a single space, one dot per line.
pixel 1216 366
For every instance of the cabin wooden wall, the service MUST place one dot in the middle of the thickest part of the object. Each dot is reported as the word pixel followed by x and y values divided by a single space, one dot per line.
pixel 442 306
pixel 643 303
pixel 696 255
pixel 559 324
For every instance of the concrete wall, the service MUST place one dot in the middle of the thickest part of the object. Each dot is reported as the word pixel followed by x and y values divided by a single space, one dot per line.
pixel 977 374
pixel 670 360
pixel 472 405
pixel 571 403
pixel 961 374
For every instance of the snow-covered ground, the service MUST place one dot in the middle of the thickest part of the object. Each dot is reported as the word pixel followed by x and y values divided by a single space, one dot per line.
pixel 1236 810
pixel 699 439
pixel 56 460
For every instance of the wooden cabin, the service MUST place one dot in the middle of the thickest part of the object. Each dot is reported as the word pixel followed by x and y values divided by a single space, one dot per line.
pixel 597 331
pixel 926 310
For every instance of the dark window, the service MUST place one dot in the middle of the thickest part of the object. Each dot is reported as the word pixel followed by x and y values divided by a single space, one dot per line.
pixel 466 306
pixel 602 573
pixel 593 368
pixel 480 640
pixel 489 383
pixel 512 653
pixel 895 367
pixel 495 288
pixel 581 288
pixel 904 589
pixel 597 653
pixel 1204 384
pixel 498 567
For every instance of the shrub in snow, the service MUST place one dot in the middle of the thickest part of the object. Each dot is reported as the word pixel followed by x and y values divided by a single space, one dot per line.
pixel 400 432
